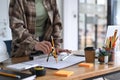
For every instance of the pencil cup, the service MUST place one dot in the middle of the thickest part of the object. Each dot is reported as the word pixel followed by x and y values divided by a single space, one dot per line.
pixel 111 53
pixel 89 54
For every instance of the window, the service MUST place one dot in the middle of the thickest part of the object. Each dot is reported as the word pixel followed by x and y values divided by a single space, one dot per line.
pixel 85 23
pixel 92 23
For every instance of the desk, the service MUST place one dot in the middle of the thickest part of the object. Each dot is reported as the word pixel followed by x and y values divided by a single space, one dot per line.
pixel 80 73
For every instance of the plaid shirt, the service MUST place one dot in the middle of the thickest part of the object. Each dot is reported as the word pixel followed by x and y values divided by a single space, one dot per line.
pixel 22 22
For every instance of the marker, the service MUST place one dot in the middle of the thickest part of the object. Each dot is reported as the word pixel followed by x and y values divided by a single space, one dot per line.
pixel 66 57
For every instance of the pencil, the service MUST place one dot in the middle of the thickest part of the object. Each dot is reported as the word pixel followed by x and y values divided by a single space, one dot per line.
pixel 52 41
pixel 10 75
pixel 115 33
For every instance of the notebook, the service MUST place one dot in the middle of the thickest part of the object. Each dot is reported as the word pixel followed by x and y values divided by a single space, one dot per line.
pixel 71 60
pixel 23 76
pixel 21 66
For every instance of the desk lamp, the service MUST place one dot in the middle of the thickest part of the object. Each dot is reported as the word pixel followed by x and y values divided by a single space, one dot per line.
pixel 3 51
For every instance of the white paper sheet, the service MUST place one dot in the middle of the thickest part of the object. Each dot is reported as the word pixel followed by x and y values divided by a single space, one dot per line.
pixel 110 32
pixel 71 60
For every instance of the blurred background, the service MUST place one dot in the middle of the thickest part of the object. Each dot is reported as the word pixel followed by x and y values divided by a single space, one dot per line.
pixel 85 22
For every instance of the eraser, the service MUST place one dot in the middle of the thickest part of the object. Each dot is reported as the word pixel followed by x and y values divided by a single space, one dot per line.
pixel 64 73
pixel 86 65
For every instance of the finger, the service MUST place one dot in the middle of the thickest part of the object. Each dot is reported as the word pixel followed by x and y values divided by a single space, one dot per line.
pixel 68 51
pixel 46 48
pixel 64 50
pixel 48 44
pixel 42 48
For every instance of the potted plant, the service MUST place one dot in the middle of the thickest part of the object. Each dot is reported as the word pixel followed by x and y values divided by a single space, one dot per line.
pixel 102 55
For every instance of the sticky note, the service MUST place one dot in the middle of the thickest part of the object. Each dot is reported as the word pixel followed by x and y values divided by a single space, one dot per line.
pixel 64 73
pixel 89 65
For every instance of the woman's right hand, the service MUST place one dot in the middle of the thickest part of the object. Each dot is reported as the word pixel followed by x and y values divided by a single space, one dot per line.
pixel 44 46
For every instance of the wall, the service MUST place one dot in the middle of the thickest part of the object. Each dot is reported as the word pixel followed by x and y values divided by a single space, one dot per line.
pixel 5 33
pixel 70 23
pixel 118 13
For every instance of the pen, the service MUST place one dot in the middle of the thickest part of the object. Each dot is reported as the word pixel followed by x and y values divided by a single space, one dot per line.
pixel 10 75
pixel 66 57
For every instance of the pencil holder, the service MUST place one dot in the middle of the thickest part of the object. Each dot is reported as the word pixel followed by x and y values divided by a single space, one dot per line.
pixel 111 53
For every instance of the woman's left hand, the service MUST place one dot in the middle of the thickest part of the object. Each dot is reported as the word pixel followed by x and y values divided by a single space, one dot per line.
pixel 59 50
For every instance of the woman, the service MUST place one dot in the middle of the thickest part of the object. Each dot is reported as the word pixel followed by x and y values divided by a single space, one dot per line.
pixel 33 22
